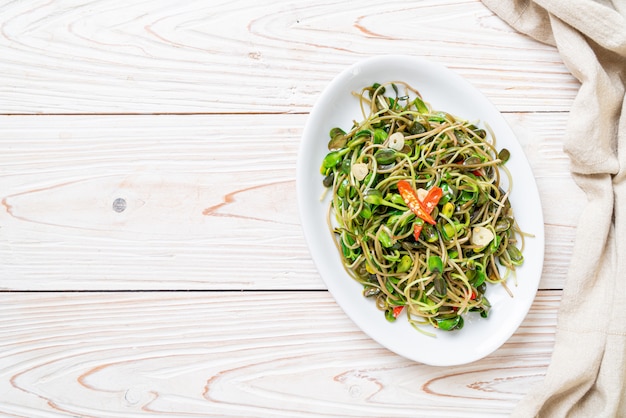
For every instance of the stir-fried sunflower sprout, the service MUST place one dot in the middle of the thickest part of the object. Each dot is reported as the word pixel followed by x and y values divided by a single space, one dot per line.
pixel 417 208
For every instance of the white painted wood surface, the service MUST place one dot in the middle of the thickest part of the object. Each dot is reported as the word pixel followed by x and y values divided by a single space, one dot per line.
pixel 200 297
pixel 239 354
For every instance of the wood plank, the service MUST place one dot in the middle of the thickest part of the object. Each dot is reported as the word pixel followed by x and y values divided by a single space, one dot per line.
pixel 200 213
pixel 170 56
pixel 239 354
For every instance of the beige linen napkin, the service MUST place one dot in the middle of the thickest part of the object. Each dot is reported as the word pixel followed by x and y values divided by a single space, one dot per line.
pixel 587 372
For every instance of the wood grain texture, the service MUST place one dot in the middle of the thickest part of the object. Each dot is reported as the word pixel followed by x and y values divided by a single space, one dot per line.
pixel 253 354
pixel 148 148
pixel 210 201
pixel 240 56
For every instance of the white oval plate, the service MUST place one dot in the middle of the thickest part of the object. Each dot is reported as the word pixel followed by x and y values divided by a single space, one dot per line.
pixel 445 91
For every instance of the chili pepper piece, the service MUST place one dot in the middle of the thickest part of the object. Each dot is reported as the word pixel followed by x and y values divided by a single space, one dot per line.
pixel 432 198
pixel 409 195
pixel 417 230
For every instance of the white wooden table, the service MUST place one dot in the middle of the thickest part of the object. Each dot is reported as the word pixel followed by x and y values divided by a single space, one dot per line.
pixel 151 256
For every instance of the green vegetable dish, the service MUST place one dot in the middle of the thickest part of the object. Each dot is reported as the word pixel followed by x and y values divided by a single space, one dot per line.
pixel 418 210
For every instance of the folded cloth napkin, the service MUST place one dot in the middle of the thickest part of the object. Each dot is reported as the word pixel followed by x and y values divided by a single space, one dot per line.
pixel 587 373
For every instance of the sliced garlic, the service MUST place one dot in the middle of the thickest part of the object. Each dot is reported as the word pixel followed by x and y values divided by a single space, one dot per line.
pixel 396 141
pixel 359 171
pixel 481 236
pixel 421 194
